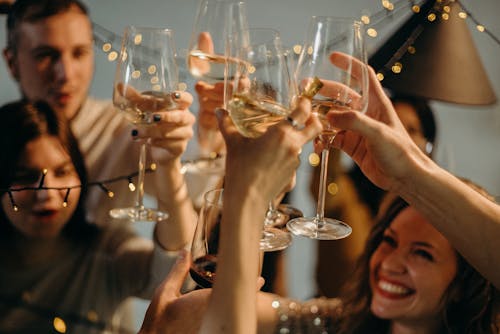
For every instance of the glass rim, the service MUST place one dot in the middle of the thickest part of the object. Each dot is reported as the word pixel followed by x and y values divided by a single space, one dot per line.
pixel 213 201
pixel 142 28
pixel 353 20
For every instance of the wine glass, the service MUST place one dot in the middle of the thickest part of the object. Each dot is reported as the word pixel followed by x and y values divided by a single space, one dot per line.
pixel 217 24
pixel 262 94
pixel 146 76
pixel 206 239
pixel 325 36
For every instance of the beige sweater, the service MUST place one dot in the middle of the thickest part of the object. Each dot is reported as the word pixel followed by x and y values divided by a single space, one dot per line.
pixel 80 284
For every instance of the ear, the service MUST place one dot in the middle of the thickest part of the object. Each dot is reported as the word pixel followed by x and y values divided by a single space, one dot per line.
pixel 10 59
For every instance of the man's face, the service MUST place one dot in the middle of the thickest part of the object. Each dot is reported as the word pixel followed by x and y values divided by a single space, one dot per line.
pixel 54 60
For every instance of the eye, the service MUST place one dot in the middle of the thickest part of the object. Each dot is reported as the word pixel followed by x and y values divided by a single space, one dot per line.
pixel 26 177
pixel 44 55
pixel 389 240
pixel 424 254
pixel 64 171
pixel 80 53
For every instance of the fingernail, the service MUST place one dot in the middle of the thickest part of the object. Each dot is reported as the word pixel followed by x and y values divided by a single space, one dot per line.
pixel 156 117
pixel 176 95
pixel 135 132
pixel 219 111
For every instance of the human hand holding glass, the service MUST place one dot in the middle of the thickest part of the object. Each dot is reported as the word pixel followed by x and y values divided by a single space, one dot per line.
pixel 216 23
pixel 145 79
pixel 343 88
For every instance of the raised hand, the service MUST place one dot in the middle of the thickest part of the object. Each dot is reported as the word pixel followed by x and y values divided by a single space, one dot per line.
pixel 377 140
pixel 172 129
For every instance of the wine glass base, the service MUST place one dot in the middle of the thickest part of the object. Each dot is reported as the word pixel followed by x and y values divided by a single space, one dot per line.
pixel 137 214
pixel 274 239
pixel 328 229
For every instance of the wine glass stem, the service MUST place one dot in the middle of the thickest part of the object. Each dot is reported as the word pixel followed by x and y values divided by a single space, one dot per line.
pixel 320 209
pixel 140 177
pixel 271 215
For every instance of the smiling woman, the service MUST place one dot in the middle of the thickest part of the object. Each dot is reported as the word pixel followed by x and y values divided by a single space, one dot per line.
pixel 410 277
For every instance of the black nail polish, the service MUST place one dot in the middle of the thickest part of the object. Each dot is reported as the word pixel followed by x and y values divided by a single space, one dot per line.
pixel 135 132
pixel 156 118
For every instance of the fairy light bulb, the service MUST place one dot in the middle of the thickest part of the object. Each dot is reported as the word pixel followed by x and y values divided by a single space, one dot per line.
pixel 131 184
pixel 65 202
pixel 42 180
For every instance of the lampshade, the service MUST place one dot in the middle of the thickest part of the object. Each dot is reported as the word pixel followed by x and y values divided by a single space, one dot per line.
pixel 436 59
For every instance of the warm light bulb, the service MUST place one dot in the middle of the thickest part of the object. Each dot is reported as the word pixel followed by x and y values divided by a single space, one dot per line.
pixel 59 325
pixel 112 56
pixel 314 159
pixel 106 47
pixel 131 186
pixel 371 32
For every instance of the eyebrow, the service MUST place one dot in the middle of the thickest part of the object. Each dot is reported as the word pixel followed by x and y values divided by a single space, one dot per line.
pixel 61 165
pixel 415 243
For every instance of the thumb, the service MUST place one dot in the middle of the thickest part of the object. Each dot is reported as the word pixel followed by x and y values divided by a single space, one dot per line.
pixel 178 273
pixel 226 125
pixel 354 121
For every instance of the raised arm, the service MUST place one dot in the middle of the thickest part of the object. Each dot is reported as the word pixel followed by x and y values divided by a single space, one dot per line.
pixel 378 143
pixel 169 137
pixel 256 171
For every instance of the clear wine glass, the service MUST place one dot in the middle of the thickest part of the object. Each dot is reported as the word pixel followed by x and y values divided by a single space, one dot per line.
pixel 262 94
pixel 345 88
pixel 146 76
pixel 206 239
pixel 217 24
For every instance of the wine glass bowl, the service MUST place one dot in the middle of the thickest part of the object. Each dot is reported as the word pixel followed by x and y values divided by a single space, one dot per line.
pixel 345 86
pixel 205 243
pixel 146 77
pixel 217 25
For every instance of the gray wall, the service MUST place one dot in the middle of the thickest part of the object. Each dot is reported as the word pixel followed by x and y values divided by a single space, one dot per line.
pixel 469 137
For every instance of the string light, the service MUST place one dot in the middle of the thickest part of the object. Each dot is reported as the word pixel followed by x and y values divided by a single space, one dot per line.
pixel 106 190
pixel 42 179
pixel 65 202
pixel 14 206
pixel 100 184
pixel 131 185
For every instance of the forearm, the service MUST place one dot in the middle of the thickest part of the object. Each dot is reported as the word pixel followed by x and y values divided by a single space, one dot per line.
pixel 469 220
pixel 173 197
pixel 232 307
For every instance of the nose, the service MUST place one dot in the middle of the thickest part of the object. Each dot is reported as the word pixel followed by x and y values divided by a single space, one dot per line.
pixel 64 68
pixel 43 194
pixel 394 262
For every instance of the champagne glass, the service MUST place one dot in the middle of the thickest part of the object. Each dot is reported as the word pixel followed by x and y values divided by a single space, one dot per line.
pixel 217 24
pixel 206 239
pixel 262 94
pixel 347 89
pixel 146 76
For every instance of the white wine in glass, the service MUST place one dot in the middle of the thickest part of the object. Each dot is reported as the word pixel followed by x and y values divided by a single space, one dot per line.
pixel 346 87
pixel 146 77
pixel 218 25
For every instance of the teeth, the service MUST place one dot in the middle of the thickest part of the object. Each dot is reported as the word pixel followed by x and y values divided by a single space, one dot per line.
pixel 392 288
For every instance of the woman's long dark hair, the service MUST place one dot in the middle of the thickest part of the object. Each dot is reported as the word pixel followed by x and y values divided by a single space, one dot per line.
pixel 23 122
pixel 467 301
